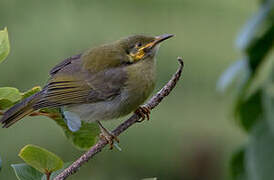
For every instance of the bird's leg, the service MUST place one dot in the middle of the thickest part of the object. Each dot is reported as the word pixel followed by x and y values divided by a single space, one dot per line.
pixel 143 112
pixel 107 135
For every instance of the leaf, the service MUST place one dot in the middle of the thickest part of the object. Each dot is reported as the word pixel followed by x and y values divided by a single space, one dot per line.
pixel 268 98
pixel 84 138
pixel 249 111
pixel 26 172
pixel 253 27
pixel 30 92
pixel 4 44
pixel 41 159
pixel 237 165
pixel 8 97
pixel 230 74
pixel 260 77
pixel 56 173
pixel 259 154
pixel 259 50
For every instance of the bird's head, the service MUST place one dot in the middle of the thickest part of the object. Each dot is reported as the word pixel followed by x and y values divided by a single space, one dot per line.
pixel 140 47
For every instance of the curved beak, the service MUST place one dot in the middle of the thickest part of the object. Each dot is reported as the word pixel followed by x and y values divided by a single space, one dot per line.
pixel 161 38
pixel 158 39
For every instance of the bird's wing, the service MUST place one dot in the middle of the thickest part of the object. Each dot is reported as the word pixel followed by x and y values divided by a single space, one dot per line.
pixel 71 84
pixel 64 63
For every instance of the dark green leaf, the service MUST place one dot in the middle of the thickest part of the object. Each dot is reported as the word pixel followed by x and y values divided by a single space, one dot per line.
pixel 84 138
pixel 4 44
pixel 249 111
pixel 237 165
pixel 26 172
pixel 41 159
pixel 9 96
pixel 260 48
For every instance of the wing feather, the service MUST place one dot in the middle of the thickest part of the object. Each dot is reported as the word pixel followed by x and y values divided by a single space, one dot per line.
pixel 64 63
pixel 71 83
pixel 80 87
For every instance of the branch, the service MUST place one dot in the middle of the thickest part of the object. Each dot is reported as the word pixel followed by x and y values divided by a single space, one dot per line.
pixel 152 103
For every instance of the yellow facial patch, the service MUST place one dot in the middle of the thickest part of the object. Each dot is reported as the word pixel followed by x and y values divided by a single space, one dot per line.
pixel 140 53
pixel 137 56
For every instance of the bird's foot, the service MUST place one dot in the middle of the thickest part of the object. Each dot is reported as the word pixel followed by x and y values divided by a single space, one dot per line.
pixel 143 112
pixel 108 136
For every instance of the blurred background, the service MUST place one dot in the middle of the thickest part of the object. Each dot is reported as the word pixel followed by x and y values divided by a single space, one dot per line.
pixel 190 136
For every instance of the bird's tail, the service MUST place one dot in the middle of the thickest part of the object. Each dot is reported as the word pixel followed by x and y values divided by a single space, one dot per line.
pixel 20 110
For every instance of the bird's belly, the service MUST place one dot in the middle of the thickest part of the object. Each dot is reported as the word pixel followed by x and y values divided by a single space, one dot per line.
pixel 106 110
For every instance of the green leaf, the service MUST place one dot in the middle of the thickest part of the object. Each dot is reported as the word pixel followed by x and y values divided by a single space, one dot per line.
pixel 4 44
pixel 84 138
pixel 268 99
pixel 56 173
pixel 249 111
pixel 26 172
pixel 231 73
pixel 259 153
pixel 8 97
pixel 237 165
pixel 30 92
pixel 254 26
pixel 41 159
pixel 260 77
pixel 258 51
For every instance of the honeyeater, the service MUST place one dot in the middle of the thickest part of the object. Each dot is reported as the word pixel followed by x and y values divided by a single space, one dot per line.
pixel 103 83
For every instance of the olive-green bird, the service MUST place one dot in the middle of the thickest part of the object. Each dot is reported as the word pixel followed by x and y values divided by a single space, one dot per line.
pixel 103 83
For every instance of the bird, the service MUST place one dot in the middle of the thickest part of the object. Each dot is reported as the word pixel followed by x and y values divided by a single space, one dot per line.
pixel 102 83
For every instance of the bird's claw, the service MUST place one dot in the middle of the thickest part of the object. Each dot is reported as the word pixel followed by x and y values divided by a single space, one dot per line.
pixel 143 112
pixel 107 135
pixel 110 138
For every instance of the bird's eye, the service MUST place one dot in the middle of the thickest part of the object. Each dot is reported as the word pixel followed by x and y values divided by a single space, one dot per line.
pixel 139 44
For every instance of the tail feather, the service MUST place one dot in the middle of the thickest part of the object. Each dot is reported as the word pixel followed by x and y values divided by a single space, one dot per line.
pixel 20 110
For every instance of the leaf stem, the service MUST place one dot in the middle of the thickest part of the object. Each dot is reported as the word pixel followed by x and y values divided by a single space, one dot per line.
pixel 48 174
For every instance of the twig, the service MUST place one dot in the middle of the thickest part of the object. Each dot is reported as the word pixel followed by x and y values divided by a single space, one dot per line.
pixel 152 103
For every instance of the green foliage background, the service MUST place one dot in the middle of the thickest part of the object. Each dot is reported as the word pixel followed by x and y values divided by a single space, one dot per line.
pixel 191 134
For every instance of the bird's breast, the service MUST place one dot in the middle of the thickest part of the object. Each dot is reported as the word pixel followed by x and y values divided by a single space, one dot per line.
pixel 140 84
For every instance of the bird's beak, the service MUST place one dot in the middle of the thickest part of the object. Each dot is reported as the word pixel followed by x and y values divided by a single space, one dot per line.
pixel 161 38
pixel 148 47
pixel 158 39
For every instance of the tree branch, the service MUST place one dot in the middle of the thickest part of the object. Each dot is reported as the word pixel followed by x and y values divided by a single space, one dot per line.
pixel 151 104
